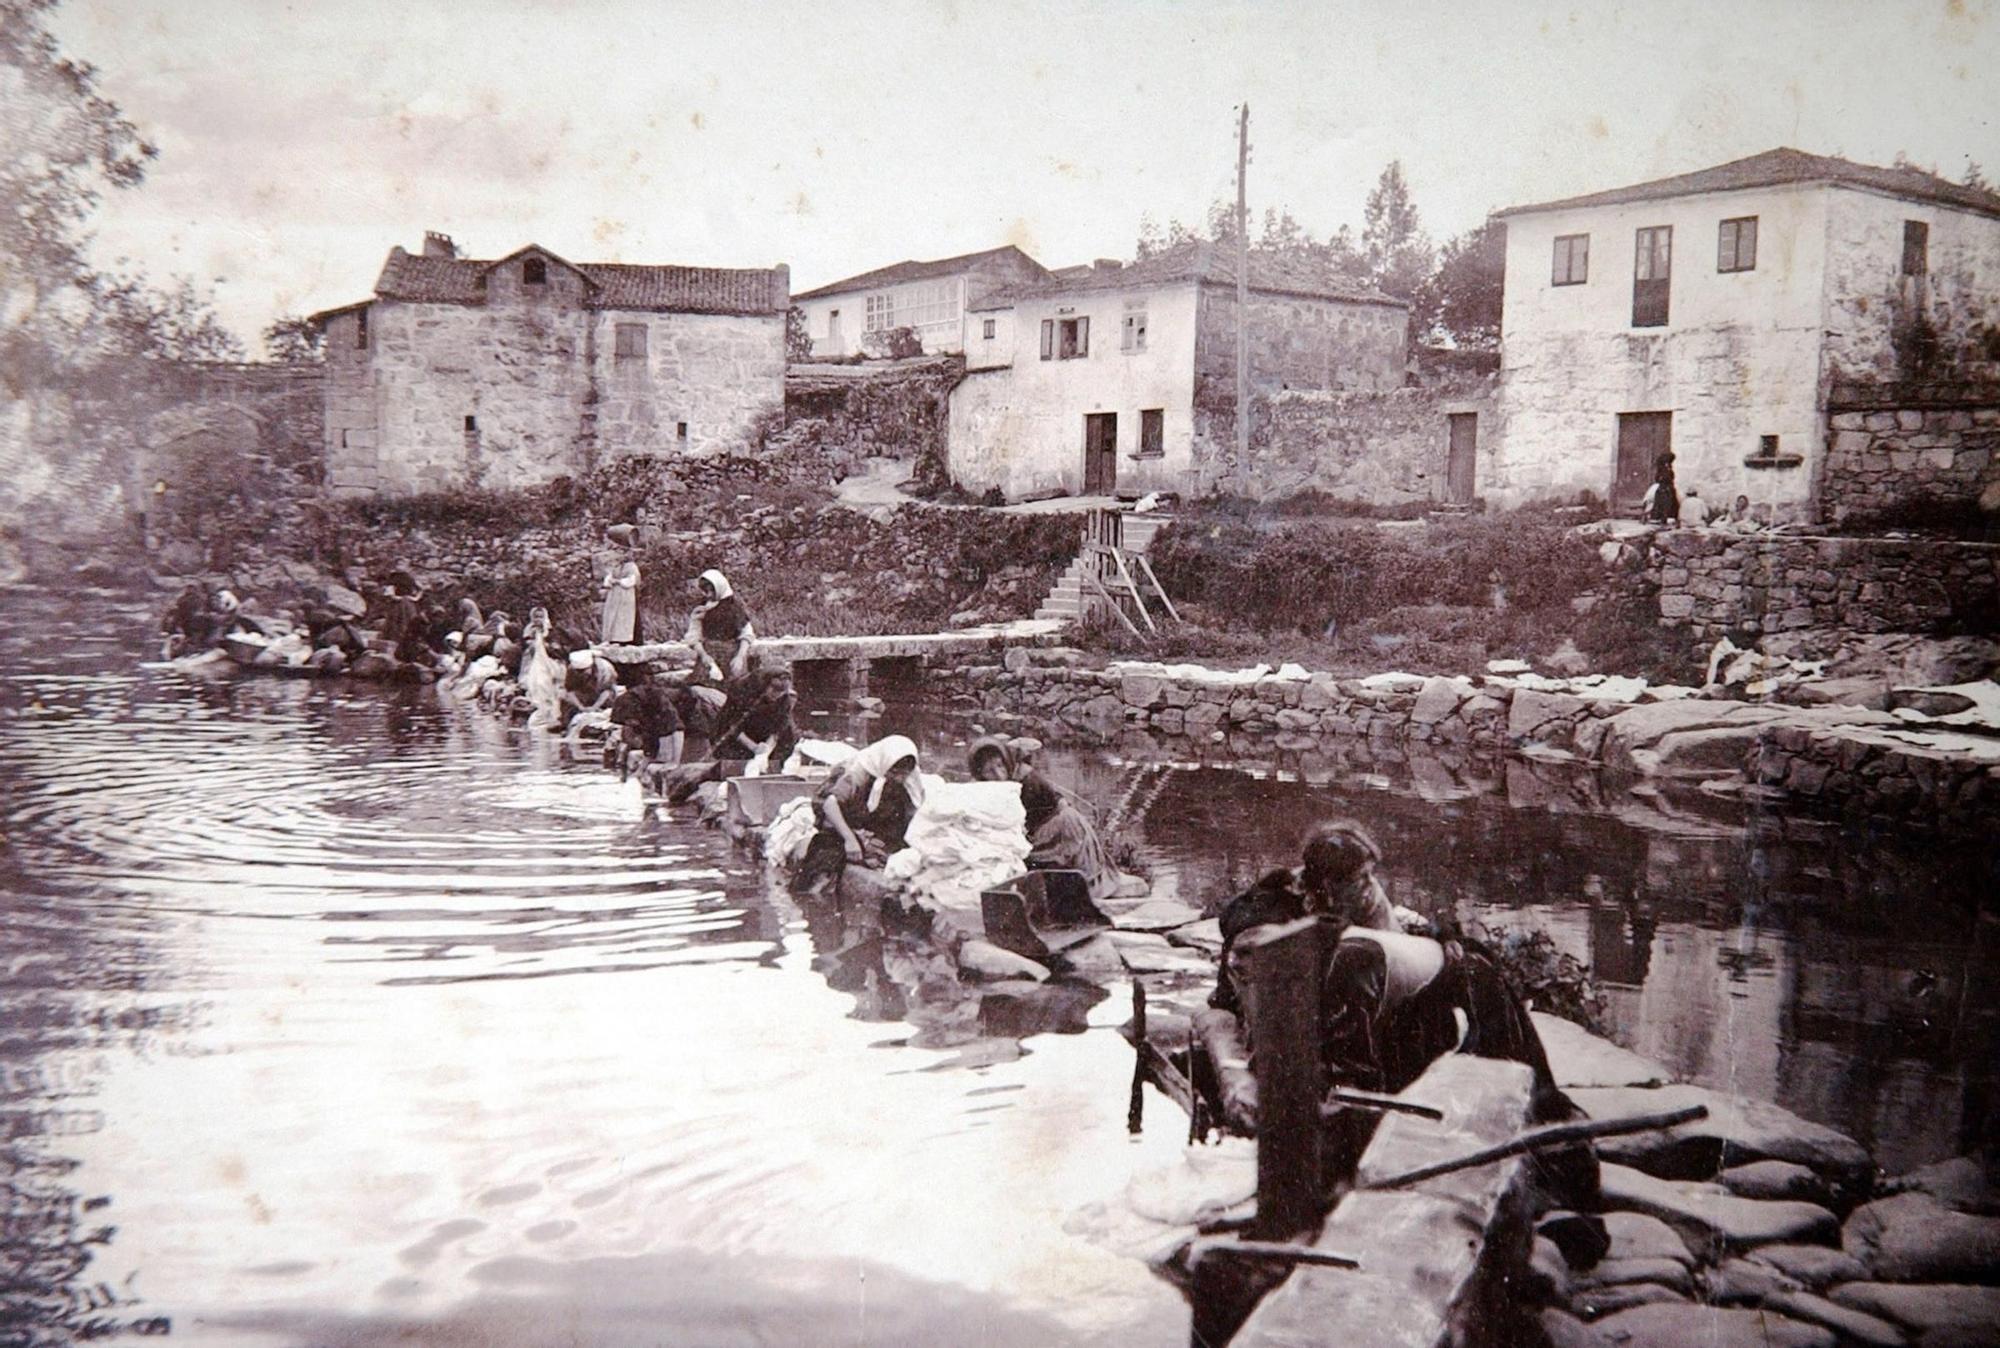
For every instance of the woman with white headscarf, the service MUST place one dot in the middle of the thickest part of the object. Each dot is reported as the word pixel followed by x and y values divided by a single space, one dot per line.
pixel 863 810
pixel 720 630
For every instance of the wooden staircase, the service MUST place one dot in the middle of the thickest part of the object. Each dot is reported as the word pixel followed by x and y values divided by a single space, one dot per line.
pixel 1111 573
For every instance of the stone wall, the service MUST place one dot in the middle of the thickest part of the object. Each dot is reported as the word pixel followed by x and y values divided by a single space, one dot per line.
pixel 708 383
pixel 1832 760
pixel 1385 447
pixel 1893 454
pixel 1716 583
pixel 1884 325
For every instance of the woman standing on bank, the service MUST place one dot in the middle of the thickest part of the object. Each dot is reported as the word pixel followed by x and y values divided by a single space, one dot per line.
pixel 621 591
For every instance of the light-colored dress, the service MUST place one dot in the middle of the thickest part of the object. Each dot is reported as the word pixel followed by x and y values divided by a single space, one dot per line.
pixel 621 603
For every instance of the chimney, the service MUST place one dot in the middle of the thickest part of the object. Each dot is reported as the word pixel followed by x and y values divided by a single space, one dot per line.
pixel 781 287
pixel 1106 264
pixel 439 245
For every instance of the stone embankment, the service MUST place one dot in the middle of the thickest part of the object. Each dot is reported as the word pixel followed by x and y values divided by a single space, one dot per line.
pixel 1900 766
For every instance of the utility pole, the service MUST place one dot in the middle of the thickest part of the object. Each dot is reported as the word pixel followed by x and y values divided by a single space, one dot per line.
pixel 1242 287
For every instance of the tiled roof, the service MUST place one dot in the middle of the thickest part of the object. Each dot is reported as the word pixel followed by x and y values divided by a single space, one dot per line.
pixel 615 285
pixel 1212 264
pixel 1775 168
pixel 917 271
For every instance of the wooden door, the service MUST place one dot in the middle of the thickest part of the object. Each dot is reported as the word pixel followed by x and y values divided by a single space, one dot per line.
pixel 1100 453
pixel 1459 467
pixel 1642 438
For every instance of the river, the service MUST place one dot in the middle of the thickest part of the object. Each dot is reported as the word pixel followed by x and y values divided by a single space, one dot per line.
pixel 337 1014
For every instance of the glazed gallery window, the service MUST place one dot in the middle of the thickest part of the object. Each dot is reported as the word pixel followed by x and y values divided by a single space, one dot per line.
pixel 1652 272
pixel 534 272
pixel 1152 433
pixel 1736 245
pixel 631 341
pixel 1133 336
pixel 1572 261
pixel 1065 338
pixel 913 306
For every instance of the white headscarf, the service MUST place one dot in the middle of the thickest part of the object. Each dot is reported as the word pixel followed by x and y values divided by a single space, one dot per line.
pixel 719 583
pixel 876 760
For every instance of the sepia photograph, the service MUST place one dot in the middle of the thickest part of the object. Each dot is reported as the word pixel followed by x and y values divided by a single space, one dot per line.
pixel 1118 673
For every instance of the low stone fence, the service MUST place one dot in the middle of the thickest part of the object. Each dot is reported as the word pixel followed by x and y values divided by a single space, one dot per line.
pixel 1890 452
pixel 1841 760
pixel 1718 583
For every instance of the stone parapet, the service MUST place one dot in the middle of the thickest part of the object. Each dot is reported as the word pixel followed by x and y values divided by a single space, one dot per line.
pixel 1716 583
pixel 1889 462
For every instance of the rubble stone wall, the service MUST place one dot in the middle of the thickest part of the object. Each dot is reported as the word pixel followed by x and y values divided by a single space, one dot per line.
pixel 1715 583
pixel 1889 461
pixel 1850 770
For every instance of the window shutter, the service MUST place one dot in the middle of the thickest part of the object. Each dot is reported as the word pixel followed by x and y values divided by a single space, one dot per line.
pixel 1048 339
pixel 1082 336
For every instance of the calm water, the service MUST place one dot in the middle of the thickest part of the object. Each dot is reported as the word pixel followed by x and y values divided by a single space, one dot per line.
pixel 336 1015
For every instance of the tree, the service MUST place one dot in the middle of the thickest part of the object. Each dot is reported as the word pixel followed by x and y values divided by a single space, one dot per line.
pixel 798 341
pixel 1975 177
pixel 293 340
pixel 1466 292
pixel 1394 248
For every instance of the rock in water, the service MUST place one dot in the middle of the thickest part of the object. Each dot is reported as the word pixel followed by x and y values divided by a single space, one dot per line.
pixel 1634 1235
pixel 1939 1315
pixel 1775 1179
pixel 1854 1327
pixel 983 960
pixel 1664 1326
pixel 1914 1238
pixel 1580 1058
pixel 1737 1130
pixel 1814 1266
pixel 1710 1218
pixel 1961 1184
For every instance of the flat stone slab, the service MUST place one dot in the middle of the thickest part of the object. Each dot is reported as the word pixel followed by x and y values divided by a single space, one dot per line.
pixel 1852 1327
pixel 1155 915
pixel 1420 1248
pixel 1710 1218
pixel 1933 1313
pixel 1580 1058
pixel 1595 1303
pixel 1681 1326
pixel 1814 1266
pixel 1914 1238
pixel 1775 1179
pixel 1667 1272
pixel 1737 1130
pixel 890 646
pixel 1634 1235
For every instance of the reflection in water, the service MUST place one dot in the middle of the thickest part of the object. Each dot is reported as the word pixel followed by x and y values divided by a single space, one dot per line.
pixel 339 1015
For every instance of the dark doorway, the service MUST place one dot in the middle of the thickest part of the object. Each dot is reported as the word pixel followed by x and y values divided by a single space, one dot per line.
pixel 1642 438
pixel 1459 468
pixel 1100 453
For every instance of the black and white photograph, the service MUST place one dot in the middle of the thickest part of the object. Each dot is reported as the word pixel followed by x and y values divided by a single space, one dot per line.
pixel 1118 673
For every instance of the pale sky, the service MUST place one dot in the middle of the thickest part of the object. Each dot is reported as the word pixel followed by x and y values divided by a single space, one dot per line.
pixel 300 140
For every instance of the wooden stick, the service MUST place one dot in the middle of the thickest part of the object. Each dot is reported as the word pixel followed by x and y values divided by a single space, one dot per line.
pixel 1135 1112
pixel 1138 599
pixel 1541 1139
pixel 1147 567
pixel 1098 586
pixel 1287 1251
pixel 1388 1104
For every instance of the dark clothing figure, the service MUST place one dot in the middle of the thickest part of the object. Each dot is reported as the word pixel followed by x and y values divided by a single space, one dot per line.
pixel 648 715
pixel 758 711
pixel 1666 495
pixel 876 808
pixel 1061 835
pixel 1275 899
pixel 720 630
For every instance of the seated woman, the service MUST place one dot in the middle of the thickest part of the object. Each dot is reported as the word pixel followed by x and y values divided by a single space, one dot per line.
pixel 1336 878
pixel 1061 836
pixel 863 811
pixel 719 630
pixel 757 717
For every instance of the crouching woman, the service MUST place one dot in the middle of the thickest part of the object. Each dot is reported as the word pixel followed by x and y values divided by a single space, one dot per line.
pixel 863 811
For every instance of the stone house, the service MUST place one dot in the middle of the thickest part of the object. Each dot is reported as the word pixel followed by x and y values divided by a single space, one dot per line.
pixel 1122 379
pixel 528 367
pixel 928 297
pixel 1717 313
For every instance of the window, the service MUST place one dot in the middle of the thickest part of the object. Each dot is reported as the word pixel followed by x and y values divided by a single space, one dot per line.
pixel 1133 336
pixel 1073 338
pixel 1048 339
pixel 1153 433
pixel 1572 263
pixel 1767 446
pixel 534 272
pixel 930 305
pixel 1652 269
pixel 631 340
pixel 361 329
pixel 986 329
pixel 681 433
pixel 881 313
pixel 1916 248
pixel 1736 245
pixel 471 423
